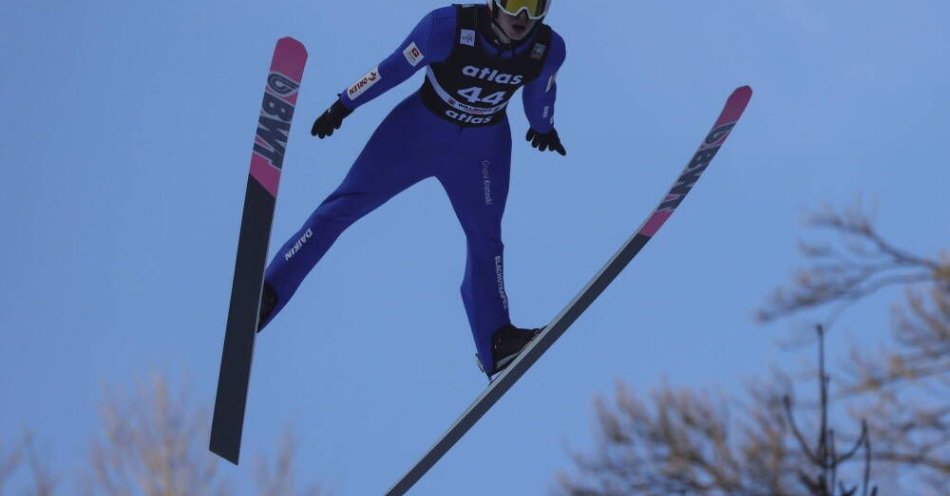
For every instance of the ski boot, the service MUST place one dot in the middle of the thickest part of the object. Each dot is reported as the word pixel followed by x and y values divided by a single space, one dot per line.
pixel 506 345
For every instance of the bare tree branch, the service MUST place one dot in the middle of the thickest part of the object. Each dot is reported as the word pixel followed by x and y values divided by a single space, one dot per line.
pixel 681 442
pixel 868 264
pixel 280 480
pixel 44 482
pixel 825 455
pixel 11 456
pixel 153 444
pixel 903 389
pixel 24 452
pixel 684 444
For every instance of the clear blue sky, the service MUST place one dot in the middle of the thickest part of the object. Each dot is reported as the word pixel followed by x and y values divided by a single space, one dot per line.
pixel 126 138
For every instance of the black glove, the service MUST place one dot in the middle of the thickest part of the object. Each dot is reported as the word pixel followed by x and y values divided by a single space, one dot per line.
pixel 331 120
pixel 546 141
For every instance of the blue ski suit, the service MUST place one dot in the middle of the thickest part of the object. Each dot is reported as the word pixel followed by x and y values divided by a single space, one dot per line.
pixel 466 147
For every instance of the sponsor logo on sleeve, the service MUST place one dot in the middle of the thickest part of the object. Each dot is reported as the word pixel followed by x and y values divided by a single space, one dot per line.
pixel 538 51
pixel 468 37
pixel 551 81
pixel 500 278
pixel 298 245
pixel 413 54
pixel 486 182
pixel 365 83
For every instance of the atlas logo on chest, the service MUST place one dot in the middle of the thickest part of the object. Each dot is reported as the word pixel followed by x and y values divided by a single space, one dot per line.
pixel 492 75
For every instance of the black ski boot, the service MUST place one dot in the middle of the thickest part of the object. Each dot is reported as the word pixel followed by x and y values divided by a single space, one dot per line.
pixel 268 303
pixel 506 345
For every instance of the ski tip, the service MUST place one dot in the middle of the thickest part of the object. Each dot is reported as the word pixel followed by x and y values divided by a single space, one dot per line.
pixel 744 92
pixel 735 105
pixel 291 43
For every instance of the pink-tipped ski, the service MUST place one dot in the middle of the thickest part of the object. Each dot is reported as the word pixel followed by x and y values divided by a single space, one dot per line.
pixel 270 143
pixel 731 113
pixel 277 112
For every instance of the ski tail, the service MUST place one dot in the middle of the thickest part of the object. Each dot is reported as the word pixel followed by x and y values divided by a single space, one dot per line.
pixel 710 146
pixel 267 158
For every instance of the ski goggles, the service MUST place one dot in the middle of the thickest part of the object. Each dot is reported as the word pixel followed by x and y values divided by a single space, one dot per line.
pixel 536 9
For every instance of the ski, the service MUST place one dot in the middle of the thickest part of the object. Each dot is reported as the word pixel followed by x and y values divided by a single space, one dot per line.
pixel 730 115
pixel 270 143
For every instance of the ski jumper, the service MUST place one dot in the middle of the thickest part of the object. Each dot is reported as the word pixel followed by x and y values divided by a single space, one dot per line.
pixel 455 129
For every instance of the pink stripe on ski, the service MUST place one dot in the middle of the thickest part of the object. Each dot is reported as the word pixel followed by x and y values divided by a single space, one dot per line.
pixel 655 223
pixel 265 174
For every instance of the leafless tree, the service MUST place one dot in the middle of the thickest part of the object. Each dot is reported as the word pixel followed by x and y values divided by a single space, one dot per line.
pixel 681 442
pixel 23 453
pixel 906 391
pixel 824 456
pixel 151 443
pixel 903 390
pixel 11 456
pixel 279 479
pixel 44 482
pixel 861 262
pixel 154 442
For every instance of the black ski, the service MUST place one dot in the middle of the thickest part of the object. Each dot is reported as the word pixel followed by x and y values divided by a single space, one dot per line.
pixel 270 143
pixel 735 105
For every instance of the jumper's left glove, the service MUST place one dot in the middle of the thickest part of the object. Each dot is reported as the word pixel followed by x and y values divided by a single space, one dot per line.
pixel 331 120
pixel 545 141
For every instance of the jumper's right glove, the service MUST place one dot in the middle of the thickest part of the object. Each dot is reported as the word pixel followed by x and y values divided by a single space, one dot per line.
pixel 545 141
pixel 330 120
